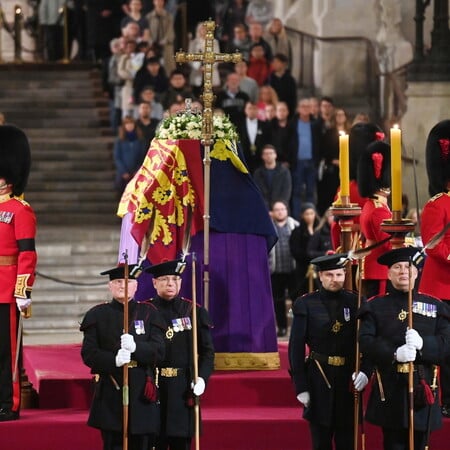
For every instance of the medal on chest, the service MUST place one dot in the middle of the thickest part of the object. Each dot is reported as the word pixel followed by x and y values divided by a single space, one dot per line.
pixel 402 315
pixel 336 326
pixel 139 327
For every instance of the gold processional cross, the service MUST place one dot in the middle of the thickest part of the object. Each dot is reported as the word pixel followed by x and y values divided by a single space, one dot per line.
pixel 208 58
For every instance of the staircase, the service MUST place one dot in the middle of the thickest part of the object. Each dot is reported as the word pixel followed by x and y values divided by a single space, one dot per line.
pixel 65 116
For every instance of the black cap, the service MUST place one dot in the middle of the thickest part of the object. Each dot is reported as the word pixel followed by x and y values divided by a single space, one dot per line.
pixel 118 273
pixel 438 157
pixel 15 157
pixel 402 254
pixel 330 262
pixel 175 267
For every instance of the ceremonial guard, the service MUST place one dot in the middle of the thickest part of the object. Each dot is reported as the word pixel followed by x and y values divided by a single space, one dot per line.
pixel 17 263
pixel 373 177
pixel 388 343
pixel 106 349
pixel 177 389
pixel 435 279
pixel 325 321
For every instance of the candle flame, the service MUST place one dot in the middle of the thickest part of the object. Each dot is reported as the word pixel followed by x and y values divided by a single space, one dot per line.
pixel 396 126
pixel 342 133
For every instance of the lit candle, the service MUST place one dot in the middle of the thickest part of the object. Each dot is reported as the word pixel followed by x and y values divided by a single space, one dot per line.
pixel 396 168
pixel 344 170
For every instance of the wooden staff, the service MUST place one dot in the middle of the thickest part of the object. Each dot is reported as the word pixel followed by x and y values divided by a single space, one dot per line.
pixel 125 388
pixel 195 351
pixel 357 400
pixel 411 366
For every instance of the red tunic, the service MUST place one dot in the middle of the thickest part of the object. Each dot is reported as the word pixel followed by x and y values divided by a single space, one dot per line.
pixel 435 278
pixel 17 249
pixel 372 215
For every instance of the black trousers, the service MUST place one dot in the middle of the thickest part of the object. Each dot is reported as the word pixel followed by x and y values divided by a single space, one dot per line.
pixel 9 391
pixel 445 375
pixel 399 439
pixel 322 437
pixel 282 284
pixel 113 440
pixel 173 443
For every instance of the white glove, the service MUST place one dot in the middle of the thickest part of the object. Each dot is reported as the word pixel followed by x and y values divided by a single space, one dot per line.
pixel 199 387
pixel 405 353
pixel 123 357
pixel 304 398
pixel 360 381
pixel 127 342
pixel 23 303
pixel 413 339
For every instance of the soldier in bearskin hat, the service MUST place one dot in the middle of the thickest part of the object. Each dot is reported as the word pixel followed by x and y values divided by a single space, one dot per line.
pixel 373 179
pixel 17 261
pixel 435 278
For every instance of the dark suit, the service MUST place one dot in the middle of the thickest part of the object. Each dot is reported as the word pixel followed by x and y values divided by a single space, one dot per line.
pixel 102 327
pixel 383 327
pixel 252 152
pixel 326 322
pixel 177 413
pixel 274 187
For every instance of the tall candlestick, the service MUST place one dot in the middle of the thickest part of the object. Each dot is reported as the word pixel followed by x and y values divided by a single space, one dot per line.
pixel 344 170
pixel 396 168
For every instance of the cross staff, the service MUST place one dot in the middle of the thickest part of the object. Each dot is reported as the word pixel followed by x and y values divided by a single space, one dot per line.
pixel 208 58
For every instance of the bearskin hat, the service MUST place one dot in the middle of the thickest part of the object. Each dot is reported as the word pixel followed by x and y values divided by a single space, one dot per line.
pixel 15 158
pixel 374 167
pixel 360 136
pixel 438 157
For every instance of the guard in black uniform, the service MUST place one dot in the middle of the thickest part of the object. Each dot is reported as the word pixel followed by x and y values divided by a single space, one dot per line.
pixel 175 372
pixel 387 342
pixel 325 321
pixel 106 350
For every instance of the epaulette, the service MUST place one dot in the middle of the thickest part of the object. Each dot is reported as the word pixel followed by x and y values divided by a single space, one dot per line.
pixel 432 199
pixel 21 200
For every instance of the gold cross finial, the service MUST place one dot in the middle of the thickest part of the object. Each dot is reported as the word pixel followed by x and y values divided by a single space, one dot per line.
pixel 208 58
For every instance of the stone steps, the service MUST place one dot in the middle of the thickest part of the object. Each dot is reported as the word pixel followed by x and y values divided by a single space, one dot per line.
pixel 70 187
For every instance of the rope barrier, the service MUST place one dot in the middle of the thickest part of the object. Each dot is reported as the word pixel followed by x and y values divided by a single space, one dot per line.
pixel 72 283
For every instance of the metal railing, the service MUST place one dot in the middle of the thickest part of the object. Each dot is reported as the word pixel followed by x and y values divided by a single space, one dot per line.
pixel 384 92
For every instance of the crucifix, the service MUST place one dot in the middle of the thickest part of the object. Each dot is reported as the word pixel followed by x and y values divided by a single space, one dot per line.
pixel 208 58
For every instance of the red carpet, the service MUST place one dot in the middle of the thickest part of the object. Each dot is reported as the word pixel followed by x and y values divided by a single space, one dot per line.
pixel 241 410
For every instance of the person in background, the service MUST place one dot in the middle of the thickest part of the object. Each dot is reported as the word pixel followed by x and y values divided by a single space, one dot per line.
pixel 319 244
pixel 148 95
pixel 259 11
pixel 240 41
pixel 255 32
pixel 49 14
pixel 387 341
pixel 129 153
pixel 273 180
pixel 134 14
pixel 278 40
pixel 197 45
pixel 282 264
pixel 106 350
pixel 267 96
pixel 161 31
pixel 304 168
pixel 254 134
pixel 231 15
pixel 298 244
pixel 146 123
pixel 325 379
pixel 284 136
pixel 315 108
pixel 283 82
pixel 177 91
pixel 247 84
pixel 177 387
pixel 435 279
pixel 231 100
pixel 17 262
pixel 151 74
pixel 258 65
